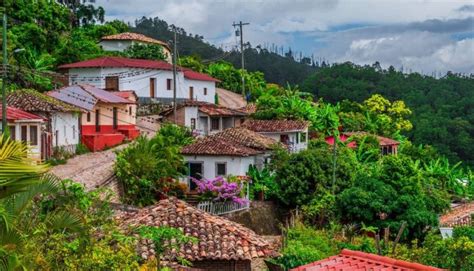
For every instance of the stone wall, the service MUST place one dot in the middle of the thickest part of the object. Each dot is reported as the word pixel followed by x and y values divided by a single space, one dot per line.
pixel 263 217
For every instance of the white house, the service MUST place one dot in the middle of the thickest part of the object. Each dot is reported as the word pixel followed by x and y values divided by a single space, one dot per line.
pixel 120 42
pixel 292 133
pixel 205 118
pixel 227 153
pixel 150 79
pixel 26 127
pixel 62 129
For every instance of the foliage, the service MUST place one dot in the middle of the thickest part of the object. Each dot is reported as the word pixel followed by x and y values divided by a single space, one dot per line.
pixel 145 51
pixel 193 62
pixel 263 181
pixel 149 168
pixel 391 191
pixel 442 115
pixel 451 253
pixel 467 231
pixel 164 240
pixel 81 149
pixel 321 209
pixel 219 189
pixel 304 245
pixel 308 174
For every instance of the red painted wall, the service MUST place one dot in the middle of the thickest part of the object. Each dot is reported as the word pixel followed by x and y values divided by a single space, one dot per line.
pixel 107 136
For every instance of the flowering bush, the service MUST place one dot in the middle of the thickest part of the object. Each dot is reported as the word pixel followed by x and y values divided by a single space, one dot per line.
pixel 219 189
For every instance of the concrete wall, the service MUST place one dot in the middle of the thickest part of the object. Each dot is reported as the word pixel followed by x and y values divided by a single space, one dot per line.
pixel 65 130
pixel 138 79
pixel 106 114
pixel 237 166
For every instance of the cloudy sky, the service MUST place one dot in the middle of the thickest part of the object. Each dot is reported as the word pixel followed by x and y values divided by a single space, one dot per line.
pixel 422 35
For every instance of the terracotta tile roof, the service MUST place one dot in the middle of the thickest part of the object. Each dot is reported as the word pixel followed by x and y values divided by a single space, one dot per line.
pixel 233 141
pixel 15 114
pixel 383 141
pixel 86 96
pixel 218 238
pixel 262 126
pixel 33 101
pixel 135 37
pixel 198 76
pixel 361 261
pixel 114 62
pixel 249 108
pixel 230 99
pixel 458 216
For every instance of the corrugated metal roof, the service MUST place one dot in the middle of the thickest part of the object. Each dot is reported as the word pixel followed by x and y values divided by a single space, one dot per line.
pixel 86 96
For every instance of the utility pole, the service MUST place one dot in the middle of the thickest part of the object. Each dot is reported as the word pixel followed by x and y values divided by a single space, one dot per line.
pixel 4 79
pixel 241 33
pixel 174 76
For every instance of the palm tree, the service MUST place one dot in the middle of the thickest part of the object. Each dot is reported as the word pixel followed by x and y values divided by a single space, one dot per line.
pixel 21 180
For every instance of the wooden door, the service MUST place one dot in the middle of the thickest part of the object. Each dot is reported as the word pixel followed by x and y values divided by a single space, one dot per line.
pixel 191 93
pixel 152 87
pixel 97 120
pixel 112 83
pixel 115 118
pixel 195 171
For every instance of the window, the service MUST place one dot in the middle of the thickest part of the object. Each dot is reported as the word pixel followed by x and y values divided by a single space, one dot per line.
pixel 193 123
pixel 112 83
pixel 221 169
pixel 97 120
pixel 88 116
pixel 130 110
pixel 205 91
pixel 114 118
pixel 33 135
pixel 302 137
pixel 12 132
pixel 152 87
pixel 215 124
pixel 24 133
pixel 168 83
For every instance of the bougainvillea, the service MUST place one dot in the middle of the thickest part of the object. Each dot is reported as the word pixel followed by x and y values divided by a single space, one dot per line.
pixel 219 189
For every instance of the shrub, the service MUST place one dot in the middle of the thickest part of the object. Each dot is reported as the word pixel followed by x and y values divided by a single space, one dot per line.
pixel 219 189
pixel 81 149
pixel 149 168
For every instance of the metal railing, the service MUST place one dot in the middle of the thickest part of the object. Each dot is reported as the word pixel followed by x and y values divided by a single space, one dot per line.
pixel 220 208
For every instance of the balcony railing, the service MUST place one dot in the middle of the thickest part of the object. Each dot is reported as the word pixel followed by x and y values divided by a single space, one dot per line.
pixel 221 208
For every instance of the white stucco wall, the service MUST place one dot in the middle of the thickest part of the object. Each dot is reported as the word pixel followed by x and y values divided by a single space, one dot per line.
pixel 237 166
pixel 138 79
pixel 67 126
pixel 295 144
pixel 189 113
pixel 198 93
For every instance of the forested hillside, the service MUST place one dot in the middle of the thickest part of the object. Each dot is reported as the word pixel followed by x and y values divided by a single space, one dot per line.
pixel 443 109
pixel 276 68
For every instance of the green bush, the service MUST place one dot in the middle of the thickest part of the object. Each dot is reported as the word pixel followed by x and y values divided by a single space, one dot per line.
pixel 466 231
pixel 305 245
pixel 149 168
pixel 81 149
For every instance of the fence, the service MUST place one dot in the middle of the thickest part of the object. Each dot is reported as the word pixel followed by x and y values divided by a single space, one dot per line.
pixel 220 208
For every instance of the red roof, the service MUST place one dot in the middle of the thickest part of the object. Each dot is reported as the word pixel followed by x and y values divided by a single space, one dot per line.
pixel 361 261
pixel 14 114
pixel 198 76
pixel 114 62
pixel 273 126
pixel 126 94
pixel 383 141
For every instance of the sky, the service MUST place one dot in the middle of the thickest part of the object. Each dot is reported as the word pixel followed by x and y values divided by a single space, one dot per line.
pixel 426 36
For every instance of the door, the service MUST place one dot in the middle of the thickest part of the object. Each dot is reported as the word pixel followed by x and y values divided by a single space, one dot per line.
pixel 112 83
pixel 285 139
pixel 115 118
pixel 152 87
pixel 195 171
pixel 191 93
pixel 97 120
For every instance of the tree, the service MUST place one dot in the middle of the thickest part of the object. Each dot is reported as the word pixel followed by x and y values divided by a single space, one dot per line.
pixel 145 51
